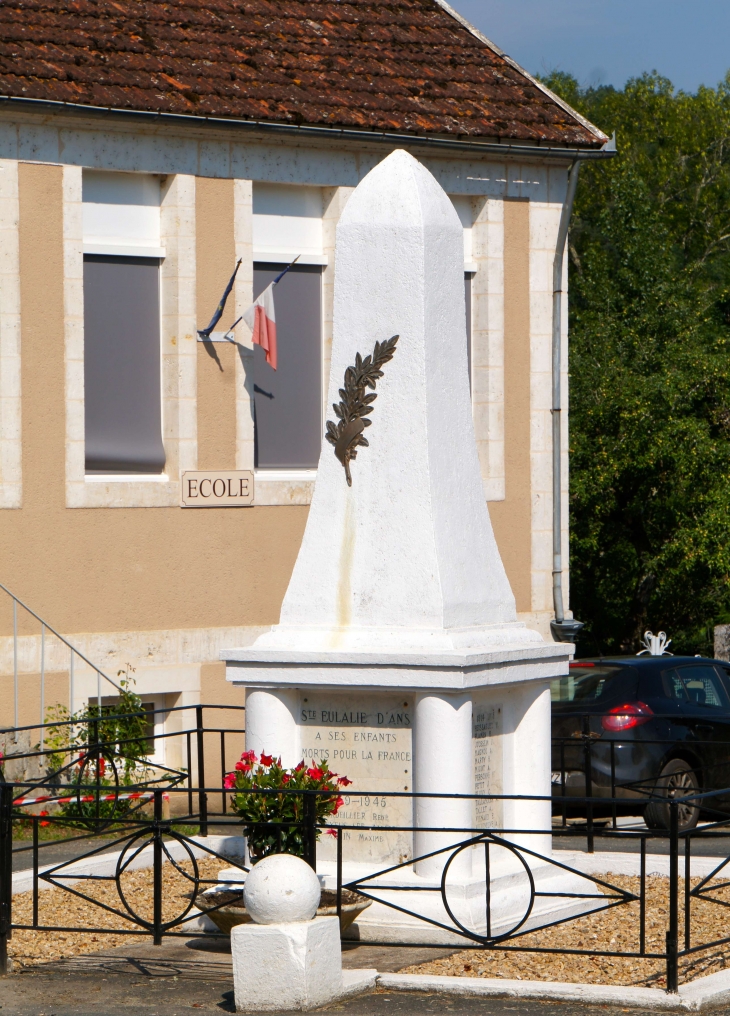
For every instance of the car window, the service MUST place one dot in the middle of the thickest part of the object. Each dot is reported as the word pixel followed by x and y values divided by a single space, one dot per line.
pixel 583 686
pixel 703 686
pixel 673 686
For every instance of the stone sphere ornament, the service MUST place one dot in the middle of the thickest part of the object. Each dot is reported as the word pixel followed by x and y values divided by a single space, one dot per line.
pixel 281 889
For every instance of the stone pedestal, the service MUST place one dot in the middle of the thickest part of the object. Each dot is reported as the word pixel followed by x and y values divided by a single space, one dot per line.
pixel 284 967
pixel 398 656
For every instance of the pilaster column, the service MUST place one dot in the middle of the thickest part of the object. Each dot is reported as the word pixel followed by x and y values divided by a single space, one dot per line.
pixel 271 724
pixel 443 765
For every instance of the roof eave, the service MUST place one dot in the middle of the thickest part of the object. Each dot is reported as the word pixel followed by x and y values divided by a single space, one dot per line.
pixel 511 149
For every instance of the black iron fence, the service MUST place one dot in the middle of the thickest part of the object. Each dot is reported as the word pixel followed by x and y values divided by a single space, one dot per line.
pixel 134 812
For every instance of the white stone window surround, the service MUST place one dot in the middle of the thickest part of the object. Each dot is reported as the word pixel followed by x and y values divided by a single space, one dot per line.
pixel 10 391
pixel 175 237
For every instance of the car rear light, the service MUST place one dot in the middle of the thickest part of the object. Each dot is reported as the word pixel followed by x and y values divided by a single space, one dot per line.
pixel 579 664
pixel 631 714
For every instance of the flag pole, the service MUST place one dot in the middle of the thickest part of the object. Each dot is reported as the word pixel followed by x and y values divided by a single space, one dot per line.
pixel 282 274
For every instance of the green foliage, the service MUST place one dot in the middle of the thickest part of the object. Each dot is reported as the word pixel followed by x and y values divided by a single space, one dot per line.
pixel 649 257
pixel 263 813
pixel 93 776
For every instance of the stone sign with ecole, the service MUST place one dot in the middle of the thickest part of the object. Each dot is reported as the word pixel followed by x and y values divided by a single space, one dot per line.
pixel 217 488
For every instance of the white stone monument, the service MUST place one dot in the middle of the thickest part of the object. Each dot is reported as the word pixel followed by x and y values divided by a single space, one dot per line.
pixel 398 656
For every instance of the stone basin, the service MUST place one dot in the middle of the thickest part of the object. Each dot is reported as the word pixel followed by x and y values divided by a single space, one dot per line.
pixel 233 912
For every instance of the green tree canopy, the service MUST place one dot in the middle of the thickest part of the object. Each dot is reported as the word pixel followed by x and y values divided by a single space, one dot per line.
pixel 649 257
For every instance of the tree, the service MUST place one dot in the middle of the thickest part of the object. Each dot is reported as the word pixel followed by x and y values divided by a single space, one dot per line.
pixel 649 258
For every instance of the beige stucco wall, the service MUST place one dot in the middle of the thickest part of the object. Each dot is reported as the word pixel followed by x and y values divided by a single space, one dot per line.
pixel 215 250
pixel 119 570
pixel 511 517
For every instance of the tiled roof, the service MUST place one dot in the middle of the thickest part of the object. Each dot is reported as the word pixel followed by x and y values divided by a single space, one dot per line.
pixel 385 65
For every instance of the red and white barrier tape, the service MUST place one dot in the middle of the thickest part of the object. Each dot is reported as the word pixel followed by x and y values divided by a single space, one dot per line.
pixel 138 796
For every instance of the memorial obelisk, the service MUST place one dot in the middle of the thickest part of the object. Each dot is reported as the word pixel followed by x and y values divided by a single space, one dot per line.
pixel 398 655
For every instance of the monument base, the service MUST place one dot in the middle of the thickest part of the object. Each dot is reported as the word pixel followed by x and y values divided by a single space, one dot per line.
pixel 512 907
pixel 285 967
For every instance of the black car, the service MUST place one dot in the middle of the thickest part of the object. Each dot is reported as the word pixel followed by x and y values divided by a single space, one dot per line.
pixel 652 727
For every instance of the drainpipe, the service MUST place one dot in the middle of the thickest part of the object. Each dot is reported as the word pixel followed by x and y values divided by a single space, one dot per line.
pixel 562 629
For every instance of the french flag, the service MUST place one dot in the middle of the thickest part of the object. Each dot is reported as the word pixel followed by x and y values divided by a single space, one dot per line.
pixel 261 319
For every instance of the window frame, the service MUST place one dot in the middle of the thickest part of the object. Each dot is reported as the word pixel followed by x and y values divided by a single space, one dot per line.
pixel 178 352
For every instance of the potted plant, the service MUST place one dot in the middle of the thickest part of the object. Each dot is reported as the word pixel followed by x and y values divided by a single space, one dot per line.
pixel 273 822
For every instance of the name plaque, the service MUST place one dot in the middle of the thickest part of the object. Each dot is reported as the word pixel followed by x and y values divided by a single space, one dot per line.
pixel 217 488
pixel 367 738
pixel 487 748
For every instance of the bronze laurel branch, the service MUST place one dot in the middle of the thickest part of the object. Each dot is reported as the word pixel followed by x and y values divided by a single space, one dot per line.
pixel 355 405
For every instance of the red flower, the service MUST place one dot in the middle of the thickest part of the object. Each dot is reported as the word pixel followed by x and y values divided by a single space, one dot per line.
pixel 338 804
pixel 333 832
pixel 229 781
pixel 344 782
pixel 315 774
pixel 44 823
pixel 250 757
pixel 266 760
pixel 301 766
pixel 285 778
pixel 243 767
pixel 102 766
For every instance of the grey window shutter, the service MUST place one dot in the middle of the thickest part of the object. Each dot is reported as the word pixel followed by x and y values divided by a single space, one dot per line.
pixel 288 401
pixel 467 300
pixel 122 364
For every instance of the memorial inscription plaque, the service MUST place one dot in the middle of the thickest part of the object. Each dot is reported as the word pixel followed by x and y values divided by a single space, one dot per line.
pixel 487 745
pixel 366 737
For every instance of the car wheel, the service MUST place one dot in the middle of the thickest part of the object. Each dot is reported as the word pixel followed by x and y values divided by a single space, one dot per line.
pixel 675 780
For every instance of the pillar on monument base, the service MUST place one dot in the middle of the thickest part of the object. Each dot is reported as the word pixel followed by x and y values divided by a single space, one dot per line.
pixel 442 748
pixel 271 724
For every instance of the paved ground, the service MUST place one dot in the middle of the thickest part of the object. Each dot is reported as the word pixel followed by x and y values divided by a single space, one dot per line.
pixel 53 853
pixel 155 995
pixel 194 975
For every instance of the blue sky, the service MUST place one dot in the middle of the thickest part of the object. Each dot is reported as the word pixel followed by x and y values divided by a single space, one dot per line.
pixel 608 41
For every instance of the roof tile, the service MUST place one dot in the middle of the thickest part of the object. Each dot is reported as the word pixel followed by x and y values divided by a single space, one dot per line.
pixel 403 65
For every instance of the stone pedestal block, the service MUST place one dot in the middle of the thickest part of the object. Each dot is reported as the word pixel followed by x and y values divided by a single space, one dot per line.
pixel 280 967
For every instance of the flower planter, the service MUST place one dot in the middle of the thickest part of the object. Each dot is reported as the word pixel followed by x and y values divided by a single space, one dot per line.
pixel 234 912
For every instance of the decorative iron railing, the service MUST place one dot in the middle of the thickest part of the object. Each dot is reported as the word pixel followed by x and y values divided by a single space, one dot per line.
pixel 163 820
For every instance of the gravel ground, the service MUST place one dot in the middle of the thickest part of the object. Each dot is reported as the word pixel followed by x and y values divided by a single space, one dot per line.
pixel 60 908
pixel 615 929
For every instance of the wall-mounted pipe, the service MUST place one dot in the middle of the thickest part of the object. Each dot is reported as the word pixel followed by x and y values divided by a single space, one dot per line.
pixel 562 630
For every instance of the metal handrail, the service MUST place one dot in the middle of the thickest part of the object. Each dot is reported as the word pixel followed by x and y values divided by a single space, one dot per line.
pixel 45 626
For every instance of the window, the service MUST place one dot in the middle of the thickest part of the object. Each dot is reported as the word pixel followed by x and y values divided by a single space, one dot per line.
pixel 122 361
pixel 122 386
pixel 468 276
pixel 701 685
pixel 463 208
pixel 583 685
pixel 288 401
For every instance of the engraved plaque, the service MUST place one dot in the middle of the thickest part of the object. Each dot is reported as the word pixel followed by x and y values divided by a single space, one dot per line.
pixel 217 488
pixel 487 746
pixel 366 737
